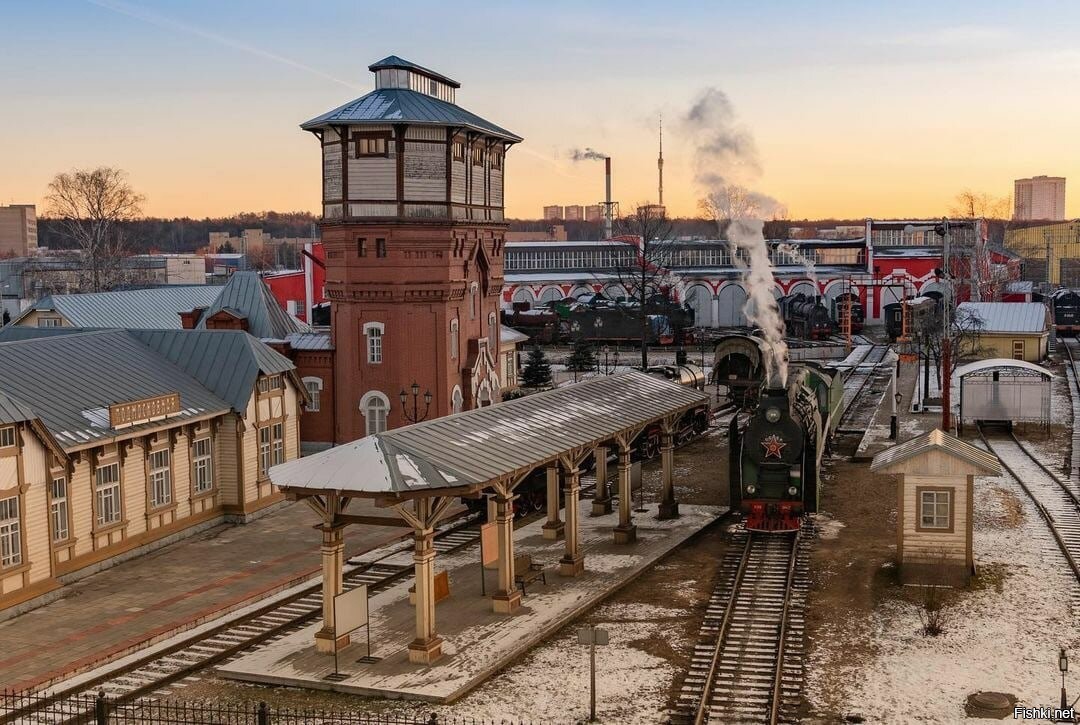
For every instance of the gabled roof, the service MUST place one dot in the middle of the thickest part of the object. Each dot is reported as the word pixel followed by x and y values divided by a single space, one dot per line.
pixel 936 440
pixel 473 448
pixel 1030 317
pixel 70 380
pixel 510 335
pixel 310 341
pixel 393 61
pixel 157 307
pixel 246 295
pixel 227 362
pixel 399 105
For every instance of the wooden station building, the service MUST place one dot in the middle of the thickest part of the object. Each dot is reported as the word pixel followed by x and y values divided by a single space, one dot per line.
pixel 413 228
pixel 116 442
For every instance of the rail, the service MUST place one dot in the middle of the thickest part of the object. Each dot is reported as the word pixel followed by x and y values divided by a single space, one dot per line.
pixel 774 709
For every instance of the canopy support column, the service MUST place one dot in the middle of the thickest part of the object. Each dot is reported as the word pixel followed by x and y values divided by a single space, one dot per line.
pixel 328 507
pixel 573 561
pixel 427 647
pixel 507 598
pixel 669 507
pixel 626 531
pixel 553 528
pixel 601 504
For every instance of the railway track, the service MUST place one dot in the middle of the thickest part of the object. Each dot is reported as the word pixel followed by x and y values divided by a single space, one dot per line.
pixel 1072 351
pixel 180 663
pixel 1057 503
pixel 747 666
pixel 862 380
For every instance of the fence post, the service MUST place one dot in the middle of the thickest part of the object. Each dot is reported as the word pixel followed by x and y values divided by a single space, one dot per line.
pixel 263 714
pixel 101 711
pixel 434 719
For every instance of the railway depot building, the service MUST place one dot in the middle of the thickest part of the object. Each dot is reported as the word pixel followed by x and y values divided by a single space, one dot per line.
pixel 115 442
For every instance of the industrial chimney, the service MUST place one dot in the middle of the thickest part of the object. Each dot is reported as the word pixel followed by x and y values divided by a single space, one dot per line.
pixel 607 198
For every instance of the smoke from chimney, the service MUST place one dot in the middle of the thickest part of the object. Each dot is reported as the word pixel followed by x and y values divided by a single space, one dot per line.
pixel 587 155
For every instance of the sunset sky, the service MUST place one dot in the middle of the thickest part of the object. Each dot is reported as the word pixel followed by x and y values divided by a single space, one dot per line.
pixel 856 108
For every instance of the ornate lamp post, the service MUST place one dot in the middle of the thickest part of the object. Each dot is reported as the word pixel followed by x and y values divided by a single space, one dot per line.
pixel 894 427
pixel 403 397
pixel 1063 665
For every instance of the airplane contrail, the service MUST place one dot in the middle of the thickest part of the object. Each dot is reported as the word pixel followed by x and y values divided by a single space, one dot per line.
pixel 169 24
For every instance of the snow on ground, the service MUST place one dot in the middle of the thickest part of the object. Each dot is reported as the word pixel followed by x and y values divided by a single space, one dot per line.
pixel 1001 635
pixel 827 526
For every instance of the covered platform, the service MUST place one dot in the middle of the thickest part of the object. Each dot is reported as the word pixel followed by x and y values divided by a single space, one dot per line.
pixel 1003 390
pixel 477 642
pixel 415 473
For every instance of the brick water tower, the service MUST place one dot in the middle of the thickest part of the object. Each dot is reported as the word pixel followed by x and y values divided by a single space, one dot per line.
pixel 414 229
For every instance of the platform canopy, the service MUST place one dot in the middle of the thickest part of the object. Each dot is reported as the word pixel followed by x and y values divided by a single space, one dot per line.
pixel 465 452
pixel 1002 389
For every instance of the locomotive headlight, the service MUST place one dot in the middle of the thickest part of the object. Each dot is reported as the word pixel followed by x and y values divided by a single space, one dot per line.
pixel 751 489
pixel 792 491
pixel 772 415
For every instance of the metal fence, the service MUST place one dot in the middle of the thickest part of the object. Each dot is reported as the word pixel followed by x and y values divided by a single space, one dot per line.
pixel 34 707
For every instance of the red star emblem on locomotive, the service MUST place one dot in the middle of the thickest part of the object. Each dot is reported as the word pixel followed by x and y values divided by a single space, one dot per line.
pixel 773 444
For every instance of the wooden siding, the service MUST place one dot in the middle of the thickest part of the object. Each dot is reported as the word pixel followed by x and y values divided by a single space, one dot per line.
pixel 457 181
pixel 225 474
pixel 425 172
pixel 332 172
pixel 497 187
pixel 426 133
pixel 374 177
pixel 931 546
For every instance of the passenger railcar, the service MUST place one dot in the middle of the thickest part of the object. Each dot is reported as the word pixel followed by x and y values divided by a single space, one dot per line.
pixel 805 316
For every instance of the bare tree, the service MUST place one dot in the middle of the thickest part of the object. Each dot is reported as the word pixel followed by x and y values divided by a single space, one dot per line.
pixel 965 331
pixel 646 273
pixel 91 205
pixel 970 204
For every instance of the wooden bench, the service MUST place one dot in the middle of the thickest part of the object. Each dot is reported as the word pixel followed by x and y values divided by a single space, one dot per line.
pixel 527 571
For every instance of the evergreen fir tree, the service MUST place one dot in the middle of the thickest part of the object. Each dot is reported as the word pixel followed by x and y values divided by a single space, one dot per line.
pixel 582 358
pixel 537 372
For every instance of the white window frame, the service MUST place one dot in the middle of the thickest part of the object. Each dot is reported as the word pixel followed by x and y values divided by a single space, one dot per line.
pixel 375 407
pixel 107 491
pixel 936 501
pixel 58 509
pixel 7 436
pixel 373 336
pixel 277 443
pixel 203 465
pixel 49 322
pixel 314 387
pixel 10 533
pixel 457 399
pixel 160 466
pixel 264 451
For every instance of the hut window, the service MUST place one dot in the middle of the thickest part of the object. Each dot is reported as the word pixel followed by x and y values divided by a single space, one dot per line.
pixel 935 509
pixel 204 465
pixel 107 494
pixel 160 479
pixel 10 535
pixel 7 436
pixel 277 453
pixel 58 509
pixel 264 451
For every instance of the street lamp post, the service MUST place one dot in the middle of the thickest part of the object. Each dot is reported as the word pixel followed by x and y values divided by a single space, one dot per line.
pixel 416 417
pixel 894 427
pixel 1063 665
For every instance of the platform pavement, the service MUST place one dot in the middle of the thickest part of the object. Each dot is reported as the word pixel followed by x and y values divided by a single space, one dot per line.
pixel 909 424
pixel 145 599
pixel 477 642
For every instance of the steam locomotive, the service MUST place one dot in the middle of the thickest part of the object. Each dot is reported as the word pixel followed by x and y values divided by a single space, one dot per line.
pixel 919 310
pixel 1065 305
pixel 840 305
pixel 776 454
pixel 805 316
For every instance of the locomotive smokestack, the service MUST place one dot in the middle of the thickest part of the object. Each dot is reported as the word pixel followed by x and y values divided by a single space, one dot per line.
pixel 607 198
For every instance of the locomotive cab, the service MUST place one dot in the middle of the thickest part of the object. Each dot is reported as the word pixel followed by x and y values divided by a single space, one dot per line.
pixel 767 464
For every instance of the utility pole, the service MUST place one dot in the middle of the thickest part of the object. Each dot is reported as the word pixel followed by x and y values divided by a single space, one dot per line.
pixel 946 342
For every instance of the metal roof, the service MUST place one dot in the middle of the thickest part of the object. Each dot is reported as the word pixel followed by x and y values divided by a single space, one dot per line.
pixel 70 380
pixel 476 447
pixel 1031 317
pixel 310 341
pixel 510 335
pixel 400 105
pixel 227 362
pixel 393 61
pixel 938 440
pixel 245 295
pixel 154 308
pixel 1000 363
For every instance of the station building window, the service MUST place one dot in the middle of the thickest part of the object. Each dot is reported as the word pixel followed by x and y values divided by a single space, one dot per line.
pixel 375 407
pixel 160 479
pixel 7 436
pixel 373 332
pixel 10 533
pixel 459 150
pixel 935 509
pixel 270 382
pixel 372 144
pixel 314 388
pixel 58 509
pixel 107 494
pixel 202 457
pixel 457 399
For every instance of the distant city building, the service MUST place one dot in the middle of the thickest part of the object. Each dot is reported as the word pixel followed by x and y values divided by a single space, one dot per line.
pixel 655 210
pixel 1040 197
pixel 18 230
pixel 594 213
pixel 554 233
pixel 850 231
pixel 263 251
pixel 574 212
pixel 552 213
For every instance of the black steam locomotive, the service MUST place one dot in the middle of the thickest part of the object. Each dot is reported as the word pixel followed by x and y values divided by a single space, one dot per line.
pixel 600 320
pixel 840 306
pixel 1065 305
pixel 920 310
pixel 805 316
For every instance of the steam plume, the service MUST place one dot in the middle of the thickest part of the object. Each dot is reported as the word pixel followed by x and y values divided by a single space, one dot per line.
pixel 587 155
pixel 726 161
pixel 798 257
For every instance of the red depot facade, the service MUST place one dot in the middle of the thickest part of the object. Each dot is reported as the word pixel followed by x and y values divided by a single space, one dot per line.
pixel 413 230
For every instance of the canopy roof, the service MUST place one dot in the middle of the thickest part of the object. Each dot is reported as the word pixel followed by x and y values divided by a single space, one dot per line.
pixel 1000 363
pixel 473 449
